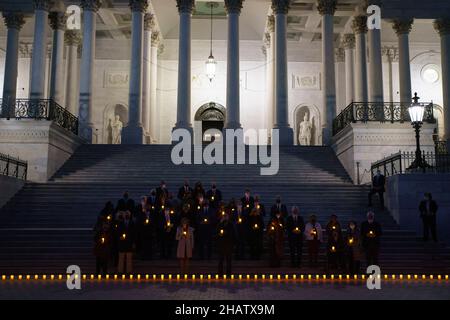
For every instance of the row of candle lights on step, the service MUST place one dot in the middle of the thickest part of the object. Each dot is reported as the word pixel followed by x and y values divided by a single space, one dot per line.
pixel 225 277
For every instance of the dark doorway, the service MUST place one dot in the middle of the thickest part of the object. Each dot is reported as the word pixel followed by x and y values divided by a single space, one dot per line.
pixel 212 116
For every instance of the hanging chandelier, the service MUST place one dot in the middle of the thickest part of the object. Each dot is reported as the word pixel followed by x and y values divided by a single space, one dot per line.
pixel 211 62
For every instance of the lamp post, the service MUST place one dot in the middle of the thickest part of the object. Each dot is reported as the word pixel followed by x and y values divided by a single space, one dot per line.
pixel 416 112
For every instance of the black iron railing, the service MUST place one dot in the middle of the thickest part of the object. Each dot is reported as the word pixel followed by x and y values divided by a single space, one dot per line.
pixel 13 167
pixel 399 163
pixel 41 109
pixel 378 112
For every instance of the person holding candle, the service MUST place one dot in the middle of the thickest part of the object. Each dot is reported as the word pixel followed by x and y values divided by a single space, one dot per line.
pixel 241 225
pixel 185 192
pixel 205 224
pixel 278 207
pixel 255 233
pixel 313 236
pixel 199 191
pixel 353 248
pixel 214 196
pixel 335 251
pixel 370 239
pixel 276 240
pixel 225 238
pixel 126 235
pixel 162 190
pixel 144 231
pixel 247 202
pixel 295 229
pixel 126 204
pixel 259 206
pixel 333 225
pixel 185 238
pixel 102 247
pixel 169 233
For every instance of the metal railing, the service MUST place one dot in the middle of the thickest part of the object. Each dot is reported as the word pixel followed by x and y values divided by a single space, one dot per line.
pixel 13 167
pixel 399 163
pixel 40 109
pixel 378 112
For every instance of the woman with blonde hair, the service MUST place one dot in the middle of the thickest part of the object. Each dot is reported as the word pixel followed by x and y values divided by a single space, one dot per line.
pixel 185 238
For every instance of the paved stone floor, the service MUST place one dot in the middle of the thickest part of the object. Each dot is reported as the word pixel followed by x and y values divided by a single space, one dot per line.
pixel 224 291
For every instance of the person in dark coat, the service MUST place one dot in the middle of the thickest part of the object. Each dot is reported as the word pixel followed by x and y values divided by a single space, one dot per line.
pixel 378 186
pixel 275 231
pixel 145 224
pixel 247 202
pixel 428 209
pixel 162 190
pixel 225 238
pixel 353 248
pixel 102 247
pixel 126 204
pixel 198 190
pixel 214 196
pixel 333 225
pixel 240 220
pixel 335 251
pixel 278 207
pixel 126 232
pixel 259 206
pixel 295 227
pixel 185 192
pixel 255 233
pixel 370 239
pixel 204 231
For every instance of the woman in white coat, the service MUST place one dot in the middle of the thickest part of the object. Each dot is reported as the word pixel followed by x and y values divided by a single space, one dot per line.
pixel 185 238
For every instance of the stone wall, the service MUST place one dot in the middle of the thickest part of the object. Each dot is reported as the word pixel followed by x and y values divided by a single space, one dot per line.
pixel 404 193
pixel 45 145
pixel 365 143
pixel 8 188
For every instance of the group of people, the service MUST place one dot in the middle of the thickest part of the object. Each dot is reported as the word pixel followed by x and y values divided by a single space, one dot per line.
pixel 197 222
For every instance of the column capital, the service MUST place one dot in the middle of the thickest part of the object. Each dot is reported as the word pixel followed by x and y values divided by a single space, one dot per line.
pixel 138 5
pixel 185 6
pixel 442 26
pixel 57 20
pixel 326 7
pixel 271 23
pixel 281 6
pixel 233 6
pixel 14 20
pixel 156 38
pixel 149 21
pixel 160 49
pixel 339 54
pixel 402 26
pixel 359 24
pixel 348 41
pixel 391 53
pixel 43 4
pixel 91 5
pixel 72 37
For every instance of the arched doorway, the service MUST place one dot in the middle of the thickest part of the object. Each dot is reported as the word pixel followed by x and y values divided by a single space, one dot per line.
pixel 212 116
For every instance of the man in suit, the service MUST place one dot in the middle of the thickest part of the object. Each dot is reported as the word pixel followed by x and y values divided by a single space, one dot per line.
pixel 428 209
pixel 162 191
pixel 214 196
pixel 370 238
pixel 126 204
pixel 378 183
pixel 295 228
pixel 126 234
pixel 240 220
pixel 185 192
pixel 225 242
pixel 152 200
pixel 248 203
pixel 278 207
pixel 204 231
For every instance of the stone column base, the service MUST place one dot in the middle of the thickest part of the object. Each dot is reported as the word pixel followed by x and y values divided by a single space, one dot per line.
pixel 285 136
pixel 133 135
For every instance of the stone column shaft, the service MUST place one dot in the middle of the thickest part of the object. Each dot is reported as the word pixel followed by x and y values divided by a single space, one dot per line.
pixel 154 122
pixel 360 29
pixel 38 59
pixel 146 73
pixel 58 23
pixel 375 66
pixel 349 48
pixel 72 39
pixel 185 8
pixel 14 22
pixel 402 28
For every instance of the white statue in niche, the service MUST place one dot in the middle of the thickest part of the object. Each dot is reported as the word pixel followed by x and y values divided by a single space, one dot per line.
pixel 305 130
pixel 117 126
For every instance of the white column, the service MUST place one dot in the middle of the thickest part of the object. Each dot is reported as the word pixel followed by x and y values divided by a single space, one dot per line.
pixel 37 84
pixel 133 133
pixel 391 55
pixel 14 22
pixel 360 28
pixel 348 42
pixel 154 121
pixel 146 73
pixel 58 24
pixel 326 9
pixel 72 40
pixel 270 72
pixel 402 28
pixel 90 8
pixel 280 9
pixel 185 8
pixel 443 27
pixel 375 66
pixel 233 91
